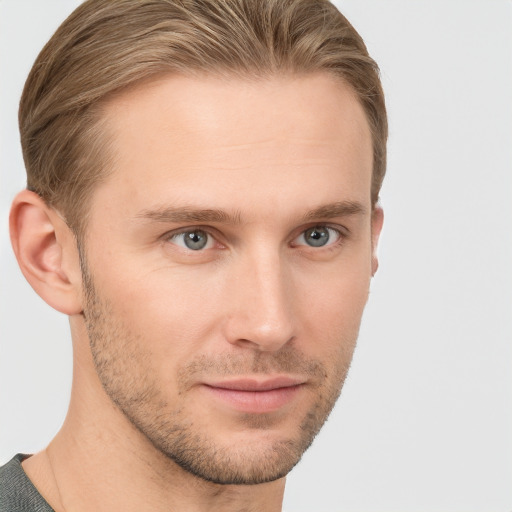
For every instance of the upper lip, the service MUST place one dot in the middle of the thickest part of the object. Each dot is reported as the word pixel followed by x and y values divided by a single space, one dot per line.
pixel 257 384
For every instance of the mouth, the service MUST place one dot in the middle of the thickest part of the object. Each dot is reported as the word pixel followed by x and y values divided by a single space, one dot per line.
pixel 256 396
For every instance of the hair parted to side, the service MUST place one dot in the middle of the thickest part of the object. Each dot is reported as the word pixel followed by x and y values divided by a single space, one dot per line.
pixel 105 46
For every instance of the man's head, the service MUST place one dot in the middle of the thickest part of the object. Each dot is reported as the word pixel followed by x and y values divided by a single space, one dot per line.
pixel 219 164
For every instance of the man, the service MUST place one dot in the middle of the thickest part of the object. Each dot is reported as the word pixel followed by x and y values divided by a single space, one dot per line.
pixel 203 179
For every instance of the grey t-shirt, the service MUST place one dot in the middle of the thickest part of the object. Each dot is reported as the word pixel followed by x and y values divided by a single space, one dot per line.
pixel 17 492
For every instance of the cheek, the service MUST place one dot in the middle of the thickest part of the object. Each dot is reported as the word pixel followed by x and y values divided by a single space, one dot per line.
pixel 171 310
pixel 331 308
pixel 338 292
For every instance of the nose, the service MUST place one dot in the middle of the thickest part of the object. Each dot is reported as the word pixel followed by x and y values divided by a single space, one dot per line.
pixel 261 298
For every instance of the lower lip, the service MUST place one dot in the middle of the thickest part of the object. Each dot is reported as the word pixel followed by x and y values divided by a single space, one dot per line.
pixel 255 401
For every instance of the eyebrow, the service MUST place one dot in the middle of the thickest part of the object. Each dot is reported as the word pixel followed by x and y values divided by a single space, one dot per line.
pixel 338 209
pixel 191 214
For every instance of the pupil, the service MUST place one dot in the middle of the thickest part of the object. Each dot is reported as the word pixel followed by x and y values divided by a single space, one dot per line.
pixel 317 236
pixel 195 240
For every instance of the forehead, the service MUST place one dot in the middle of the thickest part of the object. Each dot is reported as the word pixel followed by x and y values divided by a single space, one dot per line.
pixel 210 135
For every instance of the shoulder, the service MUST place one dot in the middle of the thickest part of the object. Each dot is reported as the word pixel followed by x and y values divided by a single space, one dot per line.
pixel 17 492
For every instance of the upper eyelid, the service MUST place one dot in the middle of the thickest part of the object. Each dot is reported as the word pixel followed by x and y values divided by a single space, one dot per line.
pixel 180 231
pixel 342 230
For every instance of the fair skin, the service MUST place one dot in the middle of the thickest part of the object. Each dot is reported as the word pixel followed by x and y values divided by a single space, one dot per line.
pixel 228 258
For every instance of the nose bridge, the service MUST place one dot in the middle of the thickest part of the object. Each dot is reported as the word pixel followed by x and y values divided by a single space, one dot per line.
pixel 262 312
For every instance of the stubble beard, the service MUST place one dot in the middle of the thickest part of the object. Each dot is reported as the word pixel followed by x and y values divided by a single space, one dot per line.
pixel 125 373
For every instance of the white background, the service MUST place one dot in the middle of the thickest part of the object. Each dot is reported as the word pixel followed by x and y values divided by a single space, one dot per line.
pixel 425 419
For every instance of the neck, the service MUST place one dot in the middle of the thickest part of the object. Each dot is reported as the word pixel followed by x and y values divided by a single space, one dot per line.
pixel 100 461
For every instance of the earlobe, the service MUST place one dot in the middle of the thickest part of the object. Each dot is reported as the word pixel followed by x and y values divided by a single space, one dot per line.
pixel 377 222
pixel 46 252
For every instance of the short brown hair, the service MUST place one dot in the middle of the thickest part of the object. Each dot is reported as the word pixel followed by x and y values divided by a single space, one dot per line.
pixel 107 45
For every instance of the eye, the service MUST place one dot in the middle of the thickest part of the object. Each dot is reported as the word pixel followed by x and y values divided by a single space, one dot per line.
pixel 195 240
pixel 318 236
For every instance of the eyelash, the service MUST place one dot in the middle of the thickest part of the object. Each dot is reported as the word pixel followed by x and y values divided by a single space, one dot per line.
pixel 341 234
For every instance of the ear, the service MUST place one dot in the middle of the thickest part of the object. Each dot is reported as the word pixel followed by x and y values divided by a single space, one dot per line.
pixel 377 221
pixel 47 254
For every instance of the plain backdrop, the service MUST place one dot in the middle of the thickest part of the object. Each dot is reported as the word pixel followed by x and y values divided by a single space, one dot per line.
pixel 425 419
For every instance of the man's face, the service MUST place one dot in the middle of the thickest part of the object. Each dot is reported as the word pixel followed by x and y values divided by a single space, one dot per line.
pixel 228 260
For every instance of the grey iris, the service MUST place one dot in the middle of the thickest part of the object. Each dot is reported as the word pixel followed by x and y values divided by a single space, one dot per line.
pixel 317 236
pixel 195 240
